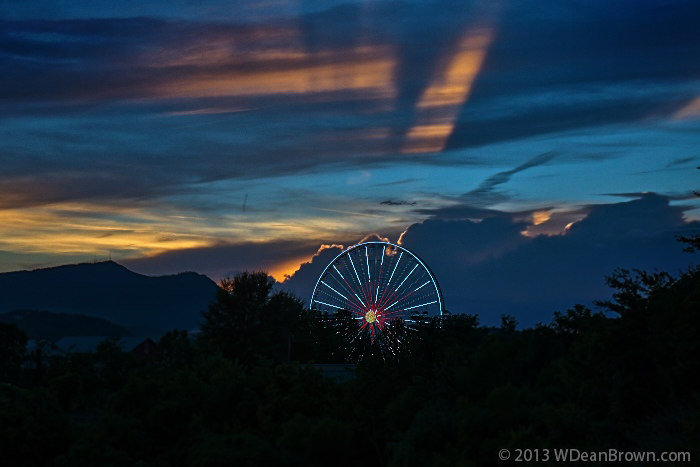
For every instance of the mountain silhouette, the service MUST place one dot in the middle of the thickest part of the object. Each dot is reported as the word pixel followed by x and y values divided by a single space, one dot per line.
pixel 107 290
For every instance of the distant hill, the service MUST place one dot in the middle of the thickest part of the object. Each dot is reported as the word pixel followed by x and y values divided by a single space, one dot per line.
pixel 39 324
pixel 143 304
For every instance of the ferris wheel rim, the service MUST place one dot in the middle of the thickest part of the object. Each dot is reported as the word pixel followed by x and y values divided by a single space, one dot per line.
pixel 434 281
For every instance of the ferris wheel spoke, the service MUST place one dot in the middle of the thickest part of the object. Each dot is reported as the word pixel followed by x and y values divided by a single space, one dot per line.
pixel 381 300
pixel 352 263
pixel 404 297
pixel 354 299
pixel 350 302
pixel 390 306
pixel 389 299
pixel 368 287
pixel 379 279
pixel 369 276
pixel 359 282
pixel 407 276
pixel 417 306
pixel 397 299
pixel 353 289
pixel 395 266
pixel 326 284
pixel 353 296
pixel 328 304
pixel 393 295
pixel 336 269
pixel 386 298
pixel 379 285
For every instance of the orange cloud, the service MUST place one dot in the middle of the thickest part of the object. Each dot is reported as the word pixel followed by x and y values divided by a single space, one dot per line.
pixel 368 69
pixel 539 217
pixel 325 247
pixel 440 103
pixel 281 271
pixel 374 237
pixel 452 88
pixel 62 228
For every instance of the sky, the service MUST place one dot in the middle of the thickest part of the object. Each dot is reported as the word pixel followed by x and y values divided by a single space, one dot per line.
pixel 497 139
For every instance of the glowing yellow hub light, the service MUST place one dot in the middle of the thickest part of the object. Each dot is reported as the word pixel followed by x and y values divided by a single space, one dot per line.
pixel 371 316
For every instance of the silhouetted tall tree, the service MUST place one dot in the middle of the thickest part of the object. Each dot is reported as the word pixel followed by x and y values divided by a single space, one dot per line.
pixel 248 319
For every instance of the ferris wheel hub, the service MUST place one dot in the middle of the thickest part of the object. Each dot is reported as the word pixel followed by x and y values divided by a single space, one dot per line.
pixel 371 316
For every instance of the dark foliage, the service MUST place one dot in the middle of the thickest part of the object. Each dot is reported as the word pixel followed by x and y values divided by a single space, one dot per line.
pixel 452 393
pixel 692 243
pixel 247 320
pixel 45 325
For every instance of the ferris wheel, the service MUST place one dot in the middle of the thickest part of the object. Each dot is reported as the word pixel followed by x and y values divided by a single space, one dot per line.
pixel 378 283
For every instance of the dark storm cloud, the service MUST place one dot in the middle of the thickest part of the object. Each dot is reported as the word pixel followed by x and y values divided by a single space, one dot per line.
pixel 489 268
pixel 531 278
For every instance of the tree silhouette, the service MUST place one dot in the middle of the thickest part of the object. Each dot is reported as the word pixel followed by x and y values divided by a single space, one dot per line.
pixel 633 289
pixel 247 319
pixel 692 242
pixel 13 344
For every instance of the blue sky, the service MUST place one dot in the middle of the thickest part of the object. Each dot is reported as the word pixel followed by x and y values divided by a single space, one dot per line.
pixel 153 131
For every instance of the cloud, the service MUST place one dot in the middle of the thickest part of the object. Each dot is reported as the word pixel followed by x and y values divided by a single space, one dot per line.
pixel 334 85
pixel 302 282
pixel 465 242
pixel 486 189
pixel 532 277
pixel 488 267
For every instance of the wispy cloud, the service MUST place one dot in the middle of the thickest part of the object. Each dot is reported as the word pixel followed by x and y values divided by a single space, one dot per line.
pixel 486 194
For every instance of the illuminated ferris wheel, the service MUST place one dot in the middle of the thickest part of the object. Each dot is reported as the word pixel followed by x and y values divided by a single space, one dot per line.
pixel 378 283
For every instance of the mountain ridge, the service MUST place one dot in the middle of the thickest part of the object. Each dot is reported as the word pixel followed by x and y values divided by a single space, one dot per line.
pixel 110 291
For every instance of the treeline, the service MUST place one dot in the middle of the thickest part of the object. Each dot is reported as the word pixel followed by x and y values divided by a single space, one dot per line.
pixel 242 391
